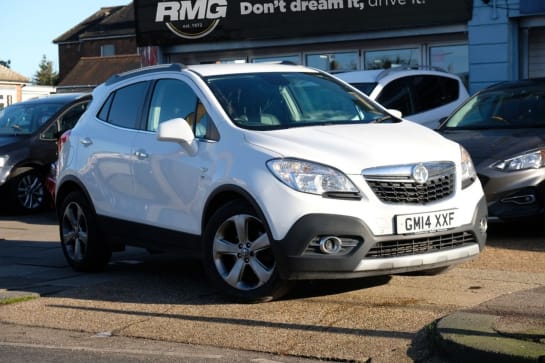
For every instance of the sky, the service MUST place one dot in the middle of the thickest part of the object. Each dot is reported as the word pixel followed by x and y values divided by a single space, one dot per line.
pixel 28 28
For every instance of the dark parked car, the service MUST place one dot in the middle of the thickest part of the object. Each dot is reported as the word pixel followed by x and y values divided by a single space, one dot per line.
pixel 28 145
pixel 503 128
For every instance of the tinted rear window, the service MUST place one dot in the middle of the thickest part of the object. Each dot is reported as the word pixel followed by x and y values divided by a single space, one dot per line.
pixel 123 106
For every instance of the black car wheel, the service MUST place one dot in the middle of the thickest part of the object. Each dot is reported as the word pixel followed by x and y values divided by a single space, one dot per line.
pixel 28 191
pixel 238 255
pixel 81 243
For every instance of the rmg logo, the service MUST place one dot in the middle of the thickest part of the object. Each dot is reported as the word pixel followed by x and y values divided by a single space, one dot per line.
pixel 190 10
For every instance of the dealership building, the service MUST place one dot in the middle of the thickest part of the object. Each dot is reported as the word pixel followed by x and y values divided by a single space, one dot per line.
pixel 484 41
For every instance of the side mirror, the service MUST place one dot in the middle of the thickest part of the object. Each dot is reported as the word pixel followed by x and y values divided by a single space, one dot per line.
pixel 178 131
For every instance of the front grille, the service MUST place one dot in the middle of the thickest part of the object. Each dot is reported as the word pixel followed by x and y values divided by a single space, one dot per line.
pixel 417 246
pixel 390 187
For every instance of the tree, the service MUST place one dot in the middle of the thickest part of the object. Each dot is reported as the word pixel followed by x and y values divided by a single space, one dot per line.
pixel 45 76
pixel 5 63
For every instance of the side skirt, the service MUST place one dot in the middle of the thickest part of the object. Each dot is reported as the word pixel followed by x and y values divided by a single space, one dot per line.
pixel 120 233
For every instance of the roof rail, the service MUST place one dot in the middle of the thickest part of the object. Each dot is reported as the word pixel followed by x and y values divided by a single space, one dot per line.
pixel 386 72
pixel 144 70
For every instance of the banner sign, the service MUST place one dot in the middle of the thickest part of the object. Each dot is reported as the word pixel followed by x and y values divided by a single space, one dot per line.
pixel 188 21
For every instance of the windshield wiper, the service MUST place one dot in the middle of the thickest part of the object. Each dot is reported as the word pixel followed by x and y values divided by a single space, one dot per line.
pixel 384 118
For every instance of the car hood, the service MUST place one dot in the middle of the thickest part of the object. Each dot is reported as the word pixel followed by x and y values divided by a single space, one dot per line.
pixel 7 140
pixel 352 148
pixel 489 146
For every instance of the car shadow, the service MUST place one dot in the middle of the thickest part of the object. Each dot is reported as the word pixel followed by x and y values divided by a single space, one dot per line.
pixel 521 235
pixel 133 276
pixel 46 216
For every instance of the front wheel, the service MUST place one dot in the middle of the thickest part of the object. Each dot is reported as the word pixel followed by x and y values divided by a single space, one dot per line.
pixel 238 256
pixel 81 243
pixel 29 192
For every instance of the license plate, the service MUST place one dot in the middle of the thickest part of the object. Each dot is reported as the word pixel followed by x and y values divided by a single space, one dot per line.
pixel 426 222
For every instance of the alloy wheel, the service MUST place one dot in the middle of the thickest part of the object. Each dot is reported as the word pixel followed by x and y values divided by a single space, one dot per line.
pixel 74 231
pixel 30 191
pixel 242 252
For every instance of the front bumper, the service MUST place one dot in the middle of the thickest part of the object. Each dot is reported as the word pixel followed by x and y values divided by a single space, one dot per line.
pixel 369 255
pixel 514 195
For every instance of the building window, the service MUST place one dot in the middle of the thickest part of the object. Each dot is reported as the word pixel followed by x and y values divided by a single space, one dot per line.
pixel 384 59
pixel 451 58
pixel 107 50
pixel 288 58
pixel 345 61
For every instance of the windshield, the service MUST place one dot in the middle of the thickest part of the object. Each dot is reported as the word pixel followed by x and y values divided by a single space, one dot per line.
pixel 284 100
pixel 24 119
pixel 501 109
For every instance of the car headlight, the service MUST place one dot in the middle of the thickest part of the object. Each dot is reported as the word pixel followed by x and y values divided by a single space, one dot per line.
pixel 530 160
pixel 308 177
pixel 469 175
pixel 3 160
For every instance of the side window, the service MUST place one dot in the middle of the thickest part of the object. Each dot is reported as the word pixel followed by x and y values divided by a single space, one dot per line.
pixel 69 119
pixel 123 106
pixel 397 95
pixel 171 99
pixel 432 91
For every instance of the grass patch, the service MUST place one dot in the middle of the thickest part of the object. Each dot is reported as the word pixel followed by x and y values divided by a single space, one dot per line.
pixel 15 300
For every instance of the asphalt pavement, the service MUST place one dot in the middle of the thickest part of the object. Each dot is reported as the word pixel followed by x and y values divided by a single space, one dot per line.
pixel 509 328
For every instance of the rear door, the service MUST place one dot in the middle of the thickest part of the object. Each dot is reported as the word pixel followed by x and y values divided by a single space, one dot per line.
pixel 106 147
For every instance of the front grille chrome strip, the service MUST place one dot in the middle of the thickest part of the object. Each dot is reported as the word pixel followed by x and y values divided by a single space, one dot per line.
pixel 395 184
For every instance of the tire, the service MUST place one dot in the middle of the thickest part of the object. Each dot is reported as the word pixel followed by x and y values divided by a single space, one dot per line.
pixel 81 242
pixel 238 257
pixel 28 192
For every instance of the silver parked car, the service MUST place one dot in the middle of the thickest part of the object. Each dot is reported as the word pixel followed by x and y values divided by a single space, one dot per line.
pixel 424 96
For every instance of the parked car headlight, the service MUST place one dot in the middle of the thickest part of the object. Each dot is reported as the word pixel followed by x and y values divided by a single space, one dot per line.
pixel 308 177
pixel 469 175
pixel 530 160
pixel 3 160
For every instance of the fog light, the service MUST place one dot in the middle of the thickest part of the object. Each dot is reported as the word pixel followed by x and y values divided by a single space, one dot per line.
pixel 520 199
pixel 331 245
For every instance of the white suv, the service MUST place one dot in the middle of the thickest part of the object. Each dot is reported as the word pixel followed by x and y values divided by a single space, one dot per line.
pixel 269 173
pixel 424 96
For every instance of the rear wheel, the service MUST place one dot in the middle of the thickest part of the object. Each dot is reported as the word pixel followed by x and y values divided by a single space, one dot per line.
pixel 238 256
pixel 81 243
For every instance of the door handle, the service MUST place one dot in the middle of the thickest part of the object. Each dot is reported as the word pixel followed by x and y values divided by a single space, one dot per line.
pixel 86 141
pixel 141 154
